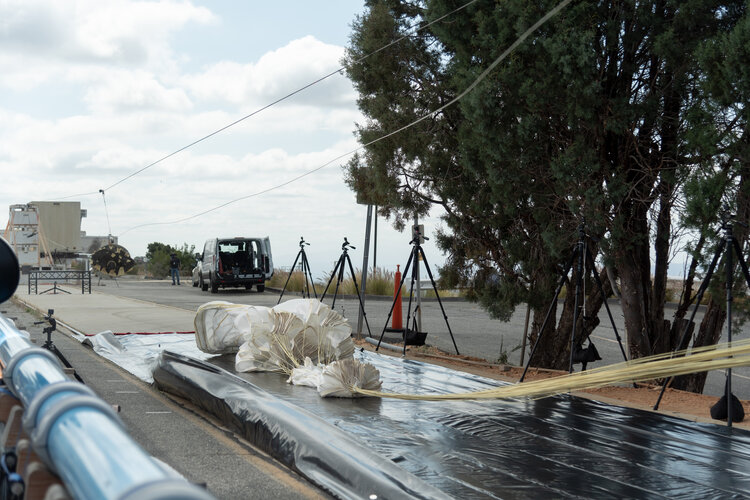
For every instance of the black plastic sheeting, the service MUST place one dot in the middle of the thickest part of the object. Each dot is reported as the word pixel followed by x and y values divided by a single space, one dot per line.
pixel 325 455
pixel 560 447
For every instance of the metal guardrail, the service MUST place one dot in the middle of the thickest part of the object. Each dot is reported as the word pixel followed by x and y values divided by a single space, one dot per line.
pixel 35 275
pixel 77 434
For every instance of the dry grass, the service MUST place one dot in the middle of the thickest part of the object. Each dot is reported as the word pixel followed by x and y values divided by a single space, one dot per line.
pixel 379 282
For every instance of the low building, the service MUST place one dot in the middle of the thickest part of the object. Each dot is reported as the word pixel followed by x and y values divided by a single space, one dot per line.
pixel 47 234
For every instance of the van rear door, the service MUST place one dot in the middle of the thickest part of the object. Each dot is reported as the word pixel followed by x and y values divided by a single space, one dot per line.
pixel 267 252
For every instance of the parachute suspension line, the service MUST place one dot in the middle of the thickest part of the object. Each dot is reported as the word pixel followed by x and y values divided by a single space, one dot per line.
pixel 658 366
pixel 106 212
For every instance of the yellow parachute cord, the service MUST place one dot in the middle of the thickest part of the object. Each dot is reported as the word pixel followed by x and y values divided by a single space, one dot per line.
pixel 702 359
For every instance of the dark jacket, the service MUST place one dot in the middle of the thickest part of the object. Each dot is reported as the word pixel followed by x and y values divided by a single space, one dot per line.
pixel 174 263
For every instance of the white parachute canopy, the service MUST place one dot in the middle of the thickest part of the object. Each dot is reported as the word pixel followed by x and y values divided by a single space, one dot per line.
pixel 221 327
pixel 303 338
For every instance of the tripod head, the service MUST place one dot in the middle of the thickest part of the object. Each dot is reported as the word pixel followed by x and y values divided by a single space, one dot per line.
pixel 52 322
pixel 302 242
pixel 417 236
pixel 346 245
pixel 728 219
pixel 582 234
pixel 52 325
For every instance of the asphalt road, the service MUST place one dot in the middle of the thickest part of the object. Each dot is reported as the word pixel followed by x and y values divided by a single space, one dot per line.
pixel 475 333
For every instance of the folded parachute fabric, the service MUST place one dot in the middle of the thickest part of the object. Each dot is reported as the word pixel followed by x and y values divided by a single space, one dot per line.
pixel 338 378
pixel 222 327
pixel 303 328
pixel 308 374
pixel 267 351
pixel 302 338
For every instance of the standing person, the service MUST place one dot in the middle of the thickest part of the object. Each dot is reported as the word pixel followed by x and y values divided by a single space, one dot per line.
pixel 174 268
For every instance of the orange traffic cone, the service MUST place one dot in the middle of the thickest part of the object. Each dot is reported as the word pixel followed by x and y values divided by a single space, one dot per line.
pixel 398 314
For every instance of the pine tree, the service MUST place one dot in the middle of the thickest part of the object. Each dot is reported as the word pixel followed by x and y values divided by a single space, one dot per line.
pixel 588 118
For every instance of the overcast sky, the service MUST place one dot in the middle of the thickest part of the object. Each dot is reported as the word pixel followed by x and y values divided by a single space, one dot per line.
pixel 92 91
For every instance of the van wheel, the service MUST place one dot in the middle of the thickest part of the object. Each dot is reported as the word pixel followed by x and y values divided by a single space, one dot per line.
pixel 214 286
pixel 261 288
pixel 203 286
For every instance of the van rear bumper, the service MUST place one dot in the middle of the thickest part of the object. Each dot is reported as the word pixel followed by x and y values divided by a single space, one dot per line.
pixel 240 280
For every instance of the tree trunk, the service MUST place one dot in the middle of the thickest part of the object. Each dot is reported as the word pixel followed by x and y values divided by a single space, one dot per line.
pixel 679 323
pixel 709 333
pixel 635 284
pixel 554 352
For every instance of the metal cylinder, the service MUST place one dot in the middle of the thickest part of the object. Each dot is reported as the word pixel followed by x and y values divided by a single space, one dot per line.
pixel 77 434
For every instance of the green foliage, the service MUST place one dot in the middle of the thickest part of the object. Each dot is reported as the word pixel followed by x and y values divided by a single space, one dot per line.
pixel 159 255
pixel 605 112
pixel 504 356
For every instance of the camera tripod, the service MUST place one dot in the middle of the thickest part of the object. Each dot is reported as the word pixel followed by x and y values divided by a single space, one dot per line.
pixel 583 258
pixel 51 346
pixel 727 245
pixel 414 256
pixel 306 273
pixel 338 273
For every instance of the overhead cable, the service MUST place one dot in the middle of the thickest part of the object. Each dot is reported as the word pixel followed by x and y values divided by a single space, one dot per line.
pixel 468 89
pixel 277 101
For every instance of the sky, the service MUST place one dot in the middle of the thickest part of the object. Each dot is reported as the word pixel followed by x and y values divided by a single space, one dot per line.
pixel 92 91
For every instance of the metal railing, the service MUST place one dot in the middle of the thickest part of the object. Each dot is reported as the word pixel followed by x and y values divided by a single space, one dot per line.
pixel 35 275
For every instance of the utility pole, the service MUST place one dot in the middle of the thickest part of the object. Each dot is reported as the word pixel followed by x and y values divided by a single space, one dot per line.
pixel 418 314
pixel 364 268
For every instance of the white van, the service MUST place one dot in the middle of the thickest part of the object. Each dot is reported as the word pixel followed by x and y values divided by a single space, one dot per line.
pixel 235 262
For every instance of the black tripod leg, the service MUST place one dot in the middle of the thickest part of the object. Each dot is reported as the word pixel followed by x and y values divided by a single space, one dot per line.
pixel 359 297
pixel 395 298
pixel 579 281
pixel 52 347
pixel 330 280
pixel 741 261
pixel 411 297
pixel 289 277
pixel 730 299
pixel 563 279
pixel 305 282
pixel 698 297
pixel 606 306
pixel 339 280
pixel 434 287
pixel 308 273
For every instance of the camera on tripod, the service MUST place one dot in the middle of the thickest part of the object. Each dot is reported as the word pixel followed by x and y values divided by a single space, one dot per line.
pixel 52 323
pixel 346 245
pixel 417 234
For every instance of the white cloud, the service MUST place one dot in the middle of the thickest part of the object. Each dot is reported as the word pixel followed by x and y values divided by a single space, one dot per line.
pixel 275 75
pixel 115 31
pixel 124 91
pixel 132 102
pixel 41 40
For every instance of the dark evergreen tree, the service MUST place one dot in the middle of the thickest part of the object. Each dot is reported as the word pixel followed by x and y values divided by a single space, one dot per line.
pixel 586 118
